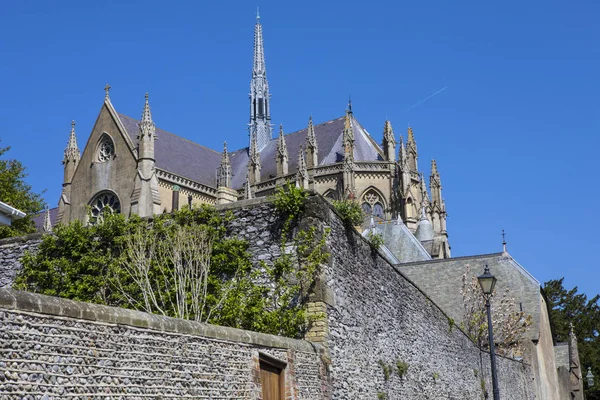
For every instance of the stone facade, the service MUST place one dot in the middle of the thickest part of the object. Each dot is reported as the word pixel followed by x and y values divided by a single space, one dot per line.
pixel 55 348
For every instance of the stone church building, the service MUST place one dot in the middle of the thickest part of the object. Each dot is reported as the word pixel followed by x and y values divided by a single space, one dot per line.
pixel 132 166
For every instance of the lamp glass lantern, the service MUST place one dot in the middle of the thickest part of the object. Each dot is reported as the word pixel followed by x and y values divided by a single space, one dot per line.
pixel 487 281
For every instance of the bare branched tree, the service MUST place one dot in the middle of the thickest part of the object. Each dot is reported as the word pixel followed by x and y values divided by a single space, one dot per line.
pixel 510 324
pixel 170 272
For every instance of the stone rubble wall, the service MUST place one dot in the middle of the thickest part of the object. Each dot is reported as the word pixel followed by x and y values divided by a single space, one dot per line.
pixel 55 348
pixel 11 251
pixel 377 317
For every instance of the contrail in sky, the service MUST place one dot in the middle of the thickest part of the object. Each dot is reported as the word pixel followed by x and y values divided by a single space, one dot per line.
pixel 425 99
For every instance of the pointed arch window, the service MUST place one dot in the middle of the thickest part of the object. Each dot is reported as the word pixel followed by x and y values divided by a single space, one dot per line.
pixel 106 149
pixel 102 203
pixel 372 204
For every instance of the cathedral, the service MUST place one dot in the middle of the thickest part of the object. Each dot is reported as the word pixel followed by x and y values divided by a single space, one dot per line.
pixel 132 166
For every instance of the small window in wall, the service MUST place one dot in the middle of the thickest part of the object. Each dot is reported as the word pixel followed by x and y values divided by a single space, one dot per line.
pixel 272 378
pixel 106 149
pixel 105 202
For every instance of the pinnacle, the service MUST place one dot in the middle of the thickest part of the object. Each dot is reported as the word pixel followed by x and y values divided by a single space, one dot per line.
pixel 72 150
pixel 311 140
pixel 146 114
pixel 225 155
pixel 434 170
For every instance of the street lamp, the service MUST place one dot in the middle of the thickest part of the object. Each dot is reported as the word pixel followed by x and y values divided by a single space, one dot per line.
pixel 590 377
pixel 487 281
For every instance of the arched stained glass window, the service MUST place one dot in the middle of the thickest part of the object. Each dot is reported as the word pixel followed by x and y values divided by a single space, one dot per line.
pixel 102 203
pixel 372 204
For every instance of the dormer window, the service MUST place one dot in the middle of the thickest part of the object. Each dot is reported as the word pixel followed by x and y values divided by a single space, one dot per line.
pixel 106 149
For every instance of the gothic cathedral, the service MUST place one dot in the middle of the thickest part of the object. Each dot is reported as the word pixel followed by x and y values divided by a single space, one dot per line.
pixel 125 168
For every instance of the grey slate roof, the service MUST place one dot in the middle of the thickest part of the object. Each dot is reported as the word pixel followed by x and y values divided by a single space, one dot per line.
pixel 198 163
pixel 400 241
pixel 179 155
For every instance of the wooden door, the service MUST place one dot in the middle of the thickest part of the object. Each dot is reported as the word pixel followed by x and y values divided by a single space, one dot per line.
pixel 271 378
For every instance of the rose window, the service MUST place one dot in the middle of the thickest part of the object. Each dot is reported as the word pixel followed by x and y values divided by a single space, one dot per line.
pixel 104 203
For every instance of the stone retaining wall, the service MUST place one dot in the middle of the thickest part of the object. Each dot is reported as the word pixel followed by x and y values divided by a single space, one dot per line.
pixel 56 348
pixel 11 251
pixel 377 319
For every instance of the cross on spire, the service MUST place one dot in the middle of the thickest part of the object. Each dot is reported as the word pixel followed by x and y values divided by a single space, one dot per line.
pixel 503 241
pixel 107 89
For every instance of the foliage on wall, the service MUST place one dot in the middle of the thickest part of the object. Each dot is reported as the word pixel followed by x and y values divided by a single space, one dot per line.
pixel 181 265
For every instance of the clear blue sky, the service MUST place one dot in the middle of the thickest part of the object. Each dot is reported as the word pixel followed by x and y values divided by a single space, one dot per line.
pixel 515 132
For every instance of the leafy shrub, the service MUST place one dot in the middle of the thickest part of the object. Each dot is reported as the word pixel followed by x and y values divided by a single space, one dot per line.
pixel 350 211
pixel 375 240
pixel 401 368
pixel 290 201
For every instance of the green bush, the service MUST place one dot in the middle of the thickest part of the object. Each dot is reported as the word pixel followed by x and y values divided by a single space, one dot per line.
pixel 290 200
pixel 93 264
pixel 375 240
pixel 350 212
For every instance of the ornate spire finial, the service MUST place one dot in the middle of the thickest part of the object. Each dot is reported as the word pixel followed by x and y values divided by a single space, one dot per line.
pixel 434 169
pixel 72 150
pixel 503 241
pixel 146 114
pixel 350 104
pixel 47 222
pixel 107 89
pixel 257 14
pixel 311 139
pixel 225 155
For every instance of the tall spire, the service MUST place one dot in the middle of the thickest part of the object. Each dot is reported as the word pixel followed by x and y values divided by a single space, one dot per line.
pixel 260 107
pixel 436 185
pixel 224 170
pixel 312 147
pixel 72 150
pixel 282 154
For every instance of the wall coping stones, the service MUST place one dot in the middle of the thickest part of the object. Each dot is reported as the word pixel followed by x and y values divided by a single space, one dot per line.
pixel 20 239
pixel 15 300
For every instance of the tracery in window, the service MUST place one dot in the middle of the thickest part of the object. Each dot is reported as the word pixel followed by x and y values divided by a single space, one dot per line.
pixel 373 204
pixel 105 202
pixel 106 149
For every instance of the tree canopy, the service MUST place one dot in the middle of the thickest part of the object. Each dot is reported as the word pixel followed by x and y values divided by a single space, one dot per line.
pixel 569 306
pixel 15 192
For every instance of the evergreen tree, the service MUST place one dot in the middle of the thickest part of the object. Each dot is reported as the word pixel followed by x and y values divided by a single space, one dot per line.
pixel 16 193
pixel 568 306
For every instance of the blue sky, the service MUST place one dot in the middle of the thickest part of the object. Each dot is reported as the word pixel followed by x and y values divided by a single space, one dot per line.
pixel 515 132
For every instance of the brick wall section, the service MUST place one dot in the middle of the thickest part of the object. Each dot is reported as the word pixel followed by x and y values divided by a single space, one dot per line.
pixel 63 349
pixel 376 314
pixel 11 251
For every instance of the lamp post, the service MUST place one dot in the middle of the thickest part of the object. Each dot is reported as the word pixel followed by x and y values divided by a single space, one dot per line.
pixel 487 281
pixel 590 377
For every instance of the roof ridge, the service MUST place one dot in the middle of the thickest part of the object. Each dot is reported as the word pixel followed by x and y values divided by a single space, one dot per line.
pixel 171 133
